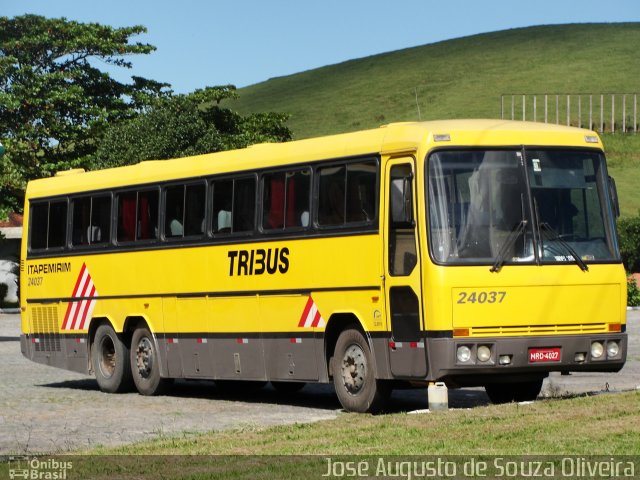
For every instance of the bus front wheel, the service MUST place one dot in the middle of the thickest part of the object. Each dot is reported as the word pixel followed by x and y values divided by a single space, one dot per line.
pixel 110 357
pixel 354 375
pixel 514 392
pixel 145 363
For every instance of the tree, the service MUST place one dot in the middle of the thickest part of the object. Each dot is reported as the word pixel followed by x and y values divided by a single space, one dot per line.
pixel 54 102
pixel 181 125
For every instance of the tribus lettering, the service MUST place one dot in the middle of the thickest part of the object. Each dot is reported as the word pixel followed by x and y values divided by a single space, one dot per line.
pixel 257 262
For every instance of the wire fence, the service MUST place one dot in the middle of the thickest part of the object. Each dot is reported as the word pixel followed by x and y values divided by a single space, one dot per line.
pixel 603 112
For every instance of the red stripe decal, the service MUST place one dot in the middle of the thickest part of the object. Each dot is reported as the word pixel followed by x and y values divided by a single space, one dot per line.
pixel 316 319
pixel 65 323
pixel 305 313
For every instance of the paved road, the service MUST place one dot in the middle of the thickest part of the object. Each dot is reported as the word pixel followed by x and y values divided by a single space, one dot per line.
pixel 43 409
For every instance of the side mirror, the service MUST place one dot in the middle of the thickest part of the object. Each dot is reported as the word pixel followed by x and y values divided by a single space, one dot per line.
pixel 613 194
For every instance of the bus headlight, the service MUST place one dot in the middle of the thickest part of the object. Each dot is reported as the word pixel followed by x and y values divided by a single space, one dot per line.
pixel 596 350
pixel 613 349
pixel 484 353
pixel 463 354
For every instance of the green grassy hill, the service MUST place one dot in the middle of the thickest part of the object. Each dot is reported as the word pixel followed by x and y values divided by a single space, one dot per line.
pixel 464 78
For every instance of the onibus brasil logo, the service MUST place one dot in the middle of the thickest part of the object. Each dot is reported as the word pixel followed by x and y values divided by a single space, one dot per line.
pixel 38 468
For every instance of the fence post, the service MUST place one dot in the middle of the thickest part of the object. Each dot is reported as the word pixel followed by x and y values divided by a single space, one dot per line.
pixel 545 108
pixel 579 111
pixel 601 113
pixel 513 107
pixel 568 110
pixel 524 108
pixel 635 113
pixel 613 113
pixel 557 109
pixel 501 107
pixel 591 112
pixel 535 110
pixel 624 113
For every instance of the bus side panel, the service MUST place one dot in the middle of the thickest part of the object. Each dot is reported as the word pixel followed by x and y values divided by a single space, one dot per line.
pixel 289 356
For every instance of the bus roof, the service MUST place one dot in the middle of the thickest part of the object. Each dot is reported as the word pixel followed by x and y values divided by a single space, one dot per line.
pixel 406 137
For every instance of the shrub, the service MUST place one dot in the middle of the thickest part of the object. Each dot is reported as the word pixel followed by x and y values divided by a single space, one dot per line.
pixel 633 292
pixel 629 238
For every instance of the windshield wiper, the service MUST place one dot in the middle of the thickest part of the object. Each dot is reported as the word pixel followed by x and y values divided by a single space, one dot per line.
pixel 506 246
pixel 553 235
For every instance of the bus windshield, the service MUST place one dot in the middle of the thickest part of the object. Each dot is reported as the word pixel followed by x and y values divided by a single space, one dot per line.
pixel 484 207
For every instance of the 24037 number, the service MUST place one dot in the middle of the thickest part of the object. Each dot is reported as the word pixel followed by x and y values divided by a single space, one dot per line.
pixel 481 297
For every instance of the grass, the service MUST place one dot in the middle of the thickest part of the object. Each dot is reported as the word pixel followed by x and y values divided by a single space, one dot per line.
pixel 546 430
pixel 461 78
pixel 606 424
pixel 464 78
pixel 623 153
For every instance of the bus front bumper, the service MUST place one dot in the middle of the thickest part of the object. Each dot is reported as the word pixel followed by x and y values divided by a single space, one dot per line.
pixel 469 361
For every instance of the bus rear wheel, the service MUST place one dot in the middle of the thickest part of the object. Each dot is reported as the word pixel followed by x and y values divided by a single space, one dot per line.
pixel 110 358
pixel 514 392
pixel 354 376
pixel 145 363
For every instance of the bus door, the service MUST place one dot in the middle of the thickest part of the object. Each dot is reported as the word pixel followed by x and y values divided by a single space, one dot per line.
pixel 402 272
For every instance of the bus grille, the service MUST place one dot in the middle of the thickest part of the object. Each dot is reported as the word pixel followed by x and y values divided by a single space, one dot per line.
pixel 45 328
pixel 538 330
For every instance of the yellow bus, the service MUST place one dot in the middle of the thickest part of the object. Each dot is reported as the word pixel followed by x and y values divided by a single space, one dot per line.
pixel 472 252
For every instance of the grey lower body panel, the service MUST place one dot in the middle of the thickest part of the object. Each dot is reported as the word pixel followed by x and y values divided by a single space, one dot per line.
pixel 288 357
pixel 243 357
pixel 63 351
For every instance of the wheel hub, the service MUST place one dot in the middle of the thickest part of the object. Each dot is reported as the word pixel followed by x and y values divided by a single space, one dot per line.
pixel 107 357
pixel 144 357
pixel 354 369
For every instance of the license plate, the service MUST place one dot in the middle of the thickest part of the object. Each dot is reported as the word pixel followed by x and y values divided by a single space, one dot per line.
pixel 544 355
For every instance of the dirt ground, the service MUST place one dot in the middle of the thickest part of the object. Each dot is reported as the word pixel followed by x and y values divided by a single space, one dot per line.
pixel 46 410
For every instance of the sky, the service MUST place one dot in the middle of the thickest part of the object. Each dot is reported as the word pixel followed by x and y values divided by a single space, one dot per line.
pixel 241 42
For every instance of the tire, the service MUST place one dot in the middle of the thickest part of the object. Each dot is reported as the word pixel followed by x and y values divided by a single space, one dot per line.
pixel 514 392
pixel 286 388
pixel 110 359
pixel 354 375
pixel 145 364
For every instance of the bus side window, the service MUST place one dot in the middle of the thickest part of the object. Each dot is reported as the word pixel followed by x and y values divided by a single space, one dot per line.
pixel 138 216
pixel 100 228
pixel 127 216
pixel 174 211
pixel 347 194
pixel 195 198
pixel 39 226
pixel 331 195
pixel 57 224
pixel 222 204
pixel 286 200
pixel 147 227
pixel 91 220
pixel 244 205
pixel 48 225
pixel 361 192
pixel 81 221
pixel 273 188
